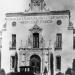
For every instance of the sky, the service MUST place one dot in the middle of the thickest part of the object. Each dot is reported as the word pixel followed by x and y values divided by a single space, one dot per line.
pixel 7 6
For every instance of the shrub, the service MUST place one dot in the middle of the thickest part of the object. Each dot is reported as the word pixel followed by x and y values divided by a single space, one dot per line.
pixel 2 72
pixel 68 71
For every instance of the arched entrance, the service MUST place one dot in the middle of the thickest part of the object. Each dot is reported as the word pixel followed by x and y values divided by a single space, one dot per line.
pixel 35 63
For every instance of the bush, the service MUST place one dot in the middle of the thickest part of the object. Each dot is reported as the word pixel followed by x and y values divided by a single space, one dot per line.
pixel 68 71
pixel 2 72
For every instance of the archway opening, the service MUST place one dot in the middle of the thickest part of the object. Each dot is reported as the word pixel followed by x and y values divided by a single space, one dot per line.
pixel 35 63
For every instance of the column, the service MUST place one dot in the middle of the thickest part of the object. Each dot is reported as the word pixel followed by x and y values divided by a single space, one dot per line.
pixel 49 62
pixel 42 63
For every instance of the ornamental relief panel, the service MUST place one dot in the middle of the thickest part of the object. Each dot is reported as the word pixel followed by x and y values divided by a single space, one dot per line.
pixel 25 56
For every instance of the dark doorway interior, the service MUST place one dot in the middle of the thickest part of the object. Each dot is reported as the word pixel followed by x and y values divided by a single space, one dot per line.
pixel 35 40
pixel 35 63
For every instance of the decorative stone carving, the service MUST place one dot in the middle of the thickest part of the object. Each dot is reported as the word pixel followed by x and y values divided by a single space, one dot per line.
pixel 70 27
pixel 35 29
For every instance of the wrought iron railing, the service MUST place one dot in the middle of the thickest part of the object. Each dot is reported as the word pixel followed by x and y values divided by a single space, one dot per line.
pixel 11 46
pixel 57 47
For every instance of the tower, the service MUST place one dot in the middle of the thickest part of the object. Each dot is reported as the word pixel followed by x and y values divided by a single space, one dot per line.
pixel 37 5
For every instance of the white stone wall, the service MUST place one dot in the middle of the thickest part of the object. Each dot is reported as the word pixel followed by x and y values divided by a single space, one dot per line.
pixel 50 28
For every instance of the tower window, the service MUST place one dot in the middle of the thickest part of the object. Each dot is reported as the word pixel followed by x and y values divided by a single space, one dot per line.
pixel 35 40
pixel 58 41
pixel 58 62
pixel 13 40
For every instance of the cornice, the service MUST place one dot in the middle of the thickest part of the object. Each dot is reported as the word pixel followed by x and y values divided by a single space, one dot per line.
pixel 63 12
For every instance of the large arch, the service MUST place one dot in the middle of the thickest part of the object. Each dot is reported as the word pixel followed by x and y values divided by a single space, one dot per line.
pixel 35 63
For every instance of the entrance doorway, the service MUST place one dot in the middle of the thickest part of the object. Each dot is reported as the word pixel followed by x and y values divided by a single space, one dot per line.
pixel 35 63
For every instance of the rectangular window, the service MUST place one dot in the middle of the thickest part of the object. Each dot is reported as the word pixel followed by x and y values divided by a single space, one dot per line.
pixel 73 31
pixel 58 44
pixel 12 61
pixel 13 40
pixel 73 64
pixel 35 40
pixel 73 42
pixel 58 62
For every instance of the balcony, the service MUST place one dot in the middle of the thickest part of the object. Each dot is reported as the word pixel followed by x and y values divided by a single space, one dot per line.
pixel 58 46
pixel 35 48
pixel 12 46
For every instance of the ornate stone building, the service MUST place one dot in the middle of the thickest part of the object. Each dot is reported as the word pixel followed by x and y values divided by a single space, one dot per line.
pixel 37 38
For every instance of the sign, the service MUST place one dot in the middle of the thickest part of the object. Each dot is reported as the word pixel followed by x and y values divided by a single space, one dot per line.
pixel 34 21
pixel 41 19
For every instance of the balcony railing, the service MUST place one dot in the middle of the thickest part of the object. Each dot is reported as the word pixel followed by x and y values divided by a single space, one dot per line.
pixel 58 47
pixel 11 46
pixel 35 48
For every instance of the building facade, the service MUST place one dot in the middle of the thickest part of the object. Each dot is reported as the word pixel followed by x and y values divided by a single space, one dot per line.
pixel 38 38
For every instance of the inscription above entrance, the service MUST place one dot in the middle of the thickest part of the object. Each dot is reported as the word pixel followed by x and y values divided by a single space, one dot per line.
pixel 41 19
